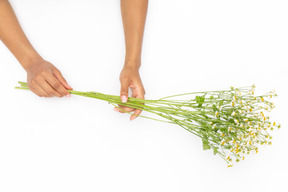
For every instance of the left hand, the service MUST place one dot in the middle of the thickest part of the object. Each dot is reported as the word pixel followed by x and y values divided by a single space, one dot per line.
pixel 130 78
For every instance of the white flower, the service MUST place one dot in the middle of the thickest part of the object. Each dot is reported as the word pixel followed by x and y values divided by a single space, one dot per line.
pixel 236 121
pixel 230 129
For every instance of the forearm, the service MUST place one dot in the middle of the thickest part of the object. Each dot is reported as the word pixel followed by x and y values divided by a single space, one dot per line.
pixel 13 36
pixel 133 15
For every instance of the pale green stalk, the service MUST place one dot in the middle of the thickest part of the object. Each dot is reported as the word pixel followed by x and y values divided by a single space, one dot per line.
pixel 231 122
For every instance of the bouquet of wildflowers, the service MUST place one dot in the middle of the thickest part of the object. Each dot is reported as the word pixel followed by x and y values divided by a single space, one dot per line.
pixel 232 123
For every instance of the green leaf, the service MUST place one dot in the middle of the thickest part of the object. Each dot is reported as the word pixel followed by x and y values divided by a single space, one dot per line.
pixel 227 147
pixel 231 120
pixel 215 150
pixel 197 99
pixel 214 108
pixel 203 99
pixel 200 100
pixel 206 145
pixel 223 129
pixel 221 102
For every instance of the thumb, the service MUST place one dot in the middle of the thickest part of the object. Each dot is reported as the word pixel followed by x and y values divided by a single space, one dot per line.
pixel 62 80
pixel 124 91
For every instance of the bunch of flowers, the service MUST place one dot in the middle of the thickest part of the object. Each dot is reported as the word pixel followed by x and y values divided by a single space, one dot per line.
pixel 233 123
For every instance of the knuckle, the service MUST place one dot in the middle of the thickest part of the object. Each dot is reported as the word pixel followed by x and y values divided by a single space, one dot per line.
pixel 55 70
pixel 32 82
pixel 32 85
pixel 43 73
pixel 38 77
pixel 124 91
pixel 56 85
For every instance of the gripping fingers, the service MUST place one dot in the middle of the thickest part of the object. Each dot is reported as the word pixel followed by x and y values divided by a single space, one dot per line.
pixel 40 90
pixel 123 109
pixel 139 93
pixel 61 79
pixel 49 90
pixel 57 86
pixel 36 92
pixel 135 114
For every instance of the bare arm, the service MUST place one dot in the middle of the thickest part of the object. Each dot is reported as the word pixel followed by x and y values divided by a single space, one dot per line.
pixel 133 15
pixel 43 78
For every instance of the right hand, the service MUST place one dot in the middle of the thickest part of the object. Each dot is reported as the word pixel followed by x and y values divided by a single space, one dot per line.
pixel 45 80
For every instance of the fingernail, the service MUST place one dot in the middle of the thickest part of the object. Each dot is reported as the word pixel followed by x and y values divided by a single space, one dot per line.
pixel 115 109
pixel 70 88
pixel 123 99
pixel 132 118
pixel 68 95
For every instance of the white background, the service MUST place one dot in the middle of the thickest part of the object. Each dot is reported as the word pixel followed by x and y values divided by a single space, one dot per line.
pixel 80 144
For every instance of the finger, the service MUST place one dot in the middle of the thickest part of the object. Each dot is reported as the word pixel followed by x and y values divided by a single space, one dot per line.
pixel 123 109
pixel 36 92
pixel 57 85
pixel 124 91
pixel 41 91
pixel 135 114
pixel 61 79
pixel 139 93
pixel 48 89
pixel 35 88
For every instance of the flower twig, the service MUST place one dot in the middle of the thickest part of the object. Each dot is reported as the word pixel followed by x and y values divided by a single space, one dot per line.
pixel 233 123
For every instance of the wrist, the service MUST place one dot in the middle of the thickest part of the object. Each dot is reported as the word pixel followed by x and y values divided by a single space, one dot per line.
pixel 28 61
pixel 132 63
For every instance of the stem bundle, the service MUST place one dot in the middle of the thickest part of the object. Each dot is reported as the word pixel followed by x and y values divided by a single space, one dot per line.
pixel 232 123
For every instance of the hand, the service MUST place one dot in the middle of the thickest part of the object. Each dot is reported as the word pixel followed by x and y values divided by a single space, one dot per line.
pixel 130 78
pixel 45 80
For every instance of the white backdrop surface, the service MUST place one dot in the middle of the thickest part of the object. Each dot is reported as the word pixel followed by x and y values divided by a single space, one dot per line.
pixel 78 144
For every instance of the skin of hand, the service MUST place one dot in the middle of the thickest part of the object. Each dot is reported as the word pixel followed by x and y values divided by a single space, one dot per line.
pixel 43 78
pixel 133 16
pixel 130 79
